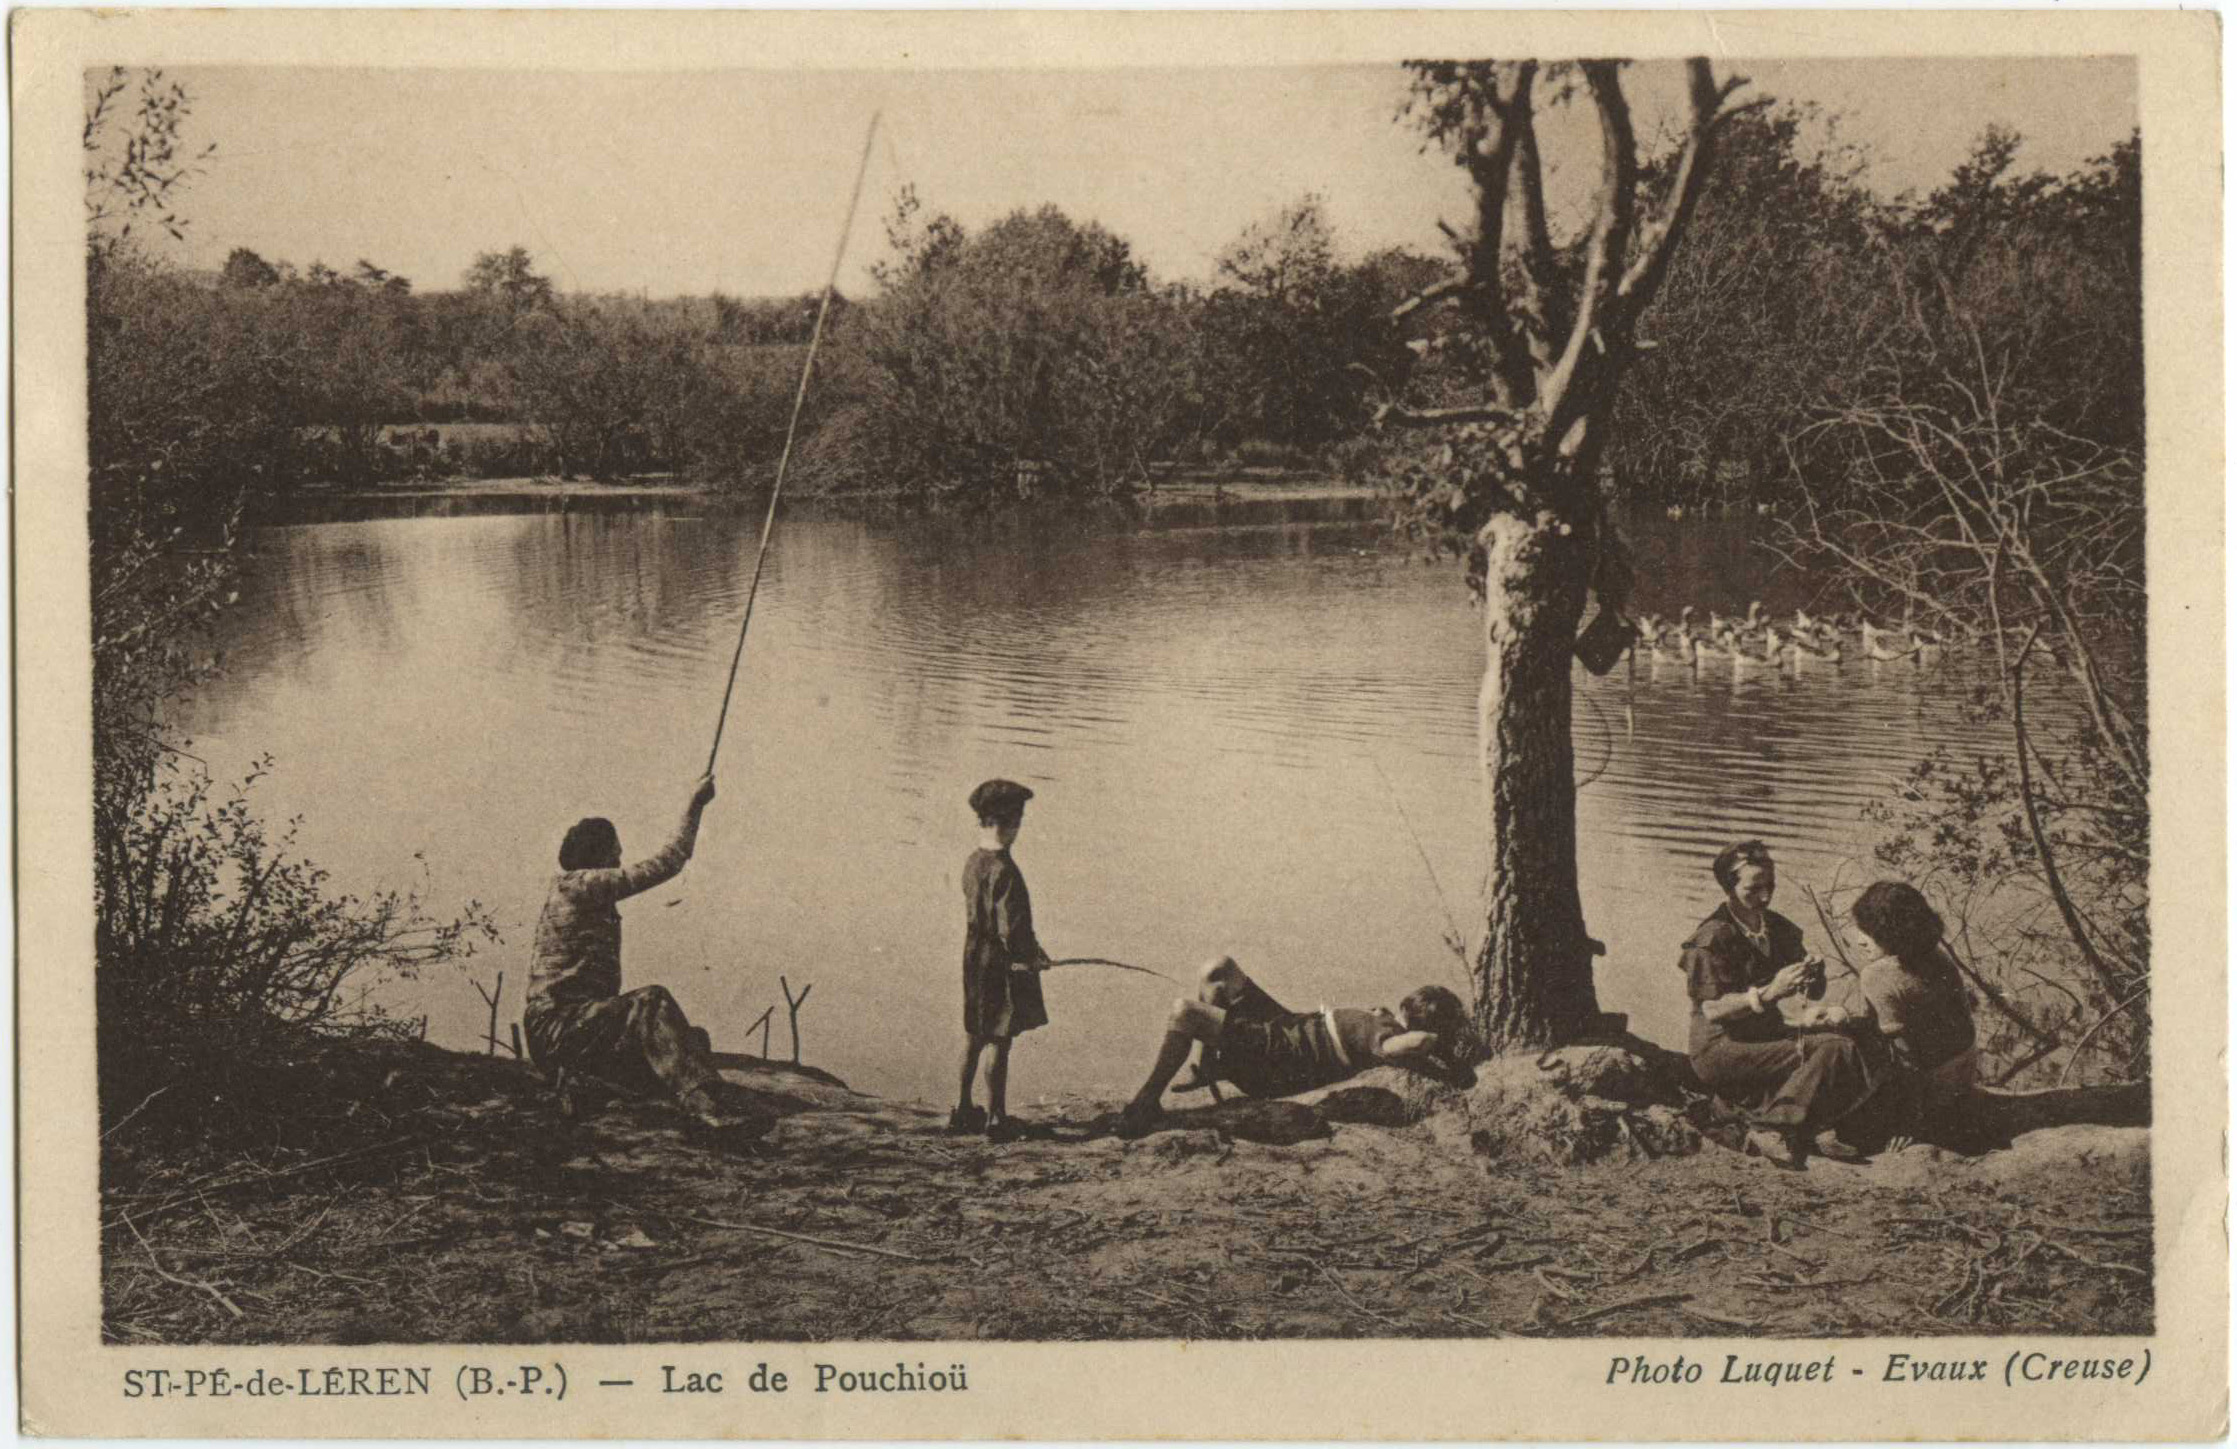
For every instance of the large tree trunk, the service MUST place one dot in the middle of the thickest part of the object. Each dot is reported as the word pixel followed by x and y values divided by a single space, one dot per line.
pixel 1517 484
pixel 1534 969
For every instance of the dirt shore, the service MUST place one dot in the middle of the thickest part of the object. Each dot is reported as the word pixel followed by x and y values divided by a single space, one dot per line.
pixel 436 1197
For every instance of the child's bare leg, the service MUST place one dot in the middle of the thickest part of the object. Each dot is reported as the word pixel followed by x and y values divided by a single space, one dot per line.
pixel 998 1082
pixel 972 1046
pixel 1221 983
pixel 1191 1022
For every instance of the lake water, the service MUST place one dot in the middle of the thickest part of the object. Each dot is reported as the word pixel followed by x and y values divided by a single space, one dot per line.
pixel 1239 724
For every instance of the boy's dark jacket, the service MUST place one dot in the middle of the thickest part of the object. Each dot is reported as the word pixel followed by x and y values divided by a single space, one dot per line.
pixel 998 935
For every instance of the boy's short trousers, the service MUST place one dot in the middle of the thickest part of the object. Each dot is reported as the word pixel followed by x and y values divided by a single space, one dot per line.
pixel 1280 1056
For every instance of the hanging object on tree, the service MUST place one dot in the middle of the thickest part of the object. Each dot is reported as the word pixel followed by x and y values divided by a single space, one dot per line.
pixel 1605 640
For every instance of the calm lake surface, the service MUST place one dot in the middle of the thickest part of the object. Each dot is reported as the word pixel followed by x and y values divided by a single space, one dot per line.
pixel 1238 725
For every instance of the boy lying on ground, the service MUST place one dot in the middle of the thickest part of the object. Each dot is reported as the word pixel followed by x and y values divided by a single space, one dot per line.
pixel 1250 1039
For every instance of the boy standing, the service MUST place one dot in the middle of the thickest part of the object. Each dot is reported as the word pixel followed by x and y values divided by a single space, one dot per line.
pixel 1001 959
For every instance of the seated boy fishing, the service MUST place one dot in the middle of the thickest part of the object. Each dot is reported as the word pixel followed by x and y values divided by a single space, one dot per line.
pixel 1248 1038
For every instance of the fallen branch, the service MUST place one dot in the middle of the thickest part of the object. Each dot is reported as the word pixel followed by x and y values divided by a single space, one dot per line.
pixel 2065 1252
pixel 159 1091
pixel 1745 1325
pixel 833 1243
pixel 1649 1300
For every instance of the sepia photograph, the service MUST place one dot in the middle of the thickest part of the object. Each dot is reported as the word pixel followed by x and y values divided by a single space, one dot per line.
pixel 1572 645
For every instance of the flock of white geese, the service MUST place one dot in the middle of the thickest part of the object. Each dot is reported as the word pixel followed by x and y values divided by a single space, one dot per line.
pixel 1755 641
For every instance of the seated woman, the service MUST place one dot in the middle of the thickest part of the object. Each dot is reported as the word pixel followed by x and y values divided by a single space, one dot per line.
pixel 580 1020
pixel 1250 1039
pixel 1914 999
pixel 1740 963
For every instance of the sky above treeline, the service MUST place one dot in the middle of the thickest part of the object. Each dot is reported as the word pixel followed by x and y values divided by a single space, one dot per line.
pixel 684 183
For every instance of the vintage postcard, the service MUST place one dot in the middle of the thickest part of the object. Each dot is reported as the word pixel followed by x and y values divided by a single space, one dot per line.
pixel 1600 636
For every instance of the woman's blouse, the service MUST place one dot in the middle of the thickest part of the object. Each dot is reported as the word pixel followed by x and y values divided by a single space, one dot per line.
pixel 1721 959
pixel 578 938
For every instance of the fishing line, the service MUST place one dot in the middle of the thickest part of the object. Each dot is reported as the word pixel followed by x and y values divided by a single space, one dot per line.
pixel 1607 739
pixel 784 460
pixel 1453 938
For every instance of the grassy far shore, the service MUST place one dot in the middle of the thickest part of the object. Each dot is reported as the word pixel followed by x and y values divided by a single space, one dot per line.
pixel 401 1193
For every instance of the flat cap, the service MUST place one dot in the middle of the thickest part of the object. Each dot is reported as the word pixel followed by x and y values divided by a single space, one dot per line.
pixel 997 798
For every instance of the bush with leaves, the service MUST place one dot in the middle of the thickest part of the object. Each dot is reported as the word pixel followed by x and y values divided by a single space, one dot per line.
pixel 216 943
pixel 1037 349
pixel 1981 487
pixel 213 943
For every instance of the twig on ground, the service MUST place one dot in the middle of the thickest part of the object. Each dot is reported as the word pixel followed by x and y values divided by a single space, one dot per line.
pixel 1745 1325
pixel 1556 1289
pixel 159 1091
pixel 306 1230
pixel 833 1243
pixel 1330 1275
pixel 1803 1285
pixel 1778 1247
pixel 1965 1292
pixel 156 1265
pixel 178 1197
pixel 1649 1300
pixel 2063 1251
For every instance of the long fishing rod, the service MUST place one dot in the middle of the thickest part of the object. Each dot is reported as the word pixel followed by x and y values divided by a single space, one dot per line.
pixel 784 460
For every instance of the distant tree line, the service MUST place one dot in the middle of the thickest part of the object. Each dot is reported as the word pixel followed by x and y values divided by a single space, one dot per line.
pixel 1040 348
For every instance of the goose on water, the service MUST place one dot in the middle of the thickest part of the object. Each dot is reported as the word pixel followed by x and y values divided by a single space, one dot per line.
pixel 1674 648
pixel 1874 649
pixel 1804 649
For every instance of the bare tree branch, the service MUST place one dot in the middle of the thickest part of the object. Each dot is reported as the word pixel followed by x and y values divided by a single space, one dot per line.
pixel 1605 249
pixel 1540 303
pixel 1490 164
pixel 1428 297
pixel 1659 238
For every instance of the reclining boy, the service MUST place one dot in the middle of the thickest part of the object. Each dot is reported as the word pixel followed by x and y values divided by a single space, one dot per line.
pixel 1266 1050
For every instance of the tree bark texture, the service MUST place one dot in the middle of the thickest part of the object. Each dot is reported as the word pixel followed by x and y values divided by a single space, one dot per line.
pixel 1533 970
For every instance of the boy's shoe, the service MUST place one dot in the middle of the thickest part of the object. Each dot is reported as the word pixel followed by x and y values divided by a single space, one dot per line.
pixel 1005 1129
pixel 1136 1122
pixel 966 1121
pixel 1780 1149
pixel 1829 1144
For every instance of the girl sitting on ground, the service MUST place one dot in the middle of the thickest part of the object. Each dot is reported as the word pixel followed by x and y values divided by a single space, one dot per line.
pixel 1914 997
pixel 1248 1038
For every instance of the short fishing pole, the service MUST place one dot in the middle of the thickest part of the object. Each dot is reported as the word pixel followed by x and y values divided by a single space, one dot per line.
pixel 784 460
pixel 1120 965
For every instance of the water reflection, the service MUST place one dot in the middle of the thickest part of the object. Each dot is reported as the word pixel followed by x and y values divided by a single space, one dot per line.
pixel 1238 734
